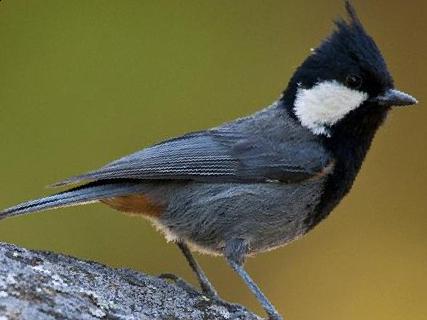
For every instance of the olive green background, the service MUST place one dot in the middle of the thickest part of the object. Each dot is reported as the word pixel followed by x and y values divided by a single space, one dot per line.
pixel 84 82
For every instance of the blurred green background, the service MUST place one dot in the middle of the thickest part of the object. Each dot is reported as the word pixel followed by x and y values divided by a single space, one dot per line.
pixel 85 82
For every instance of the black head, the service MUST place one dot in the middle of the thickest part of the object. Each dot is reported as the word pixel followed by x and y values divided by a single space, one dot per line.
pixel 345 75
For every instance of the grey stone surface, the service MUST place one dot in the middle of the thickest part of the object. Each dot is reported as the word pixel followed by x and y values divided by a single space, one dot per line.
pixel 43 285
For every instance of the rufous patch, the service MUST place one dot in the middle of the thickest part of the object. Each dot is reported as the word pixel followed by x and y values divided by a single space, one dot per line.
pixel 137 204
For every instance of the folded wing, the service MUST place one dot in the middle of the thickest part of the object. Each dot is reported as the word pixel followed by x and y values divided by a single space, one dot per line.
pixel 216 156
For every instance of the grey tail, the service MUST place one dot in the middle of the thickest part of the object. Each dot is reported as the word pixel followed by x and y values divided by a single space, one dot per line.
pixel 91 192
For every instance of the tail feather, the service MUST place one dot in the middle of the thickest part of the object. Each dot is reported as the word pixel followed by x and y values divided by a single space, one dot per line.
pixel 91 192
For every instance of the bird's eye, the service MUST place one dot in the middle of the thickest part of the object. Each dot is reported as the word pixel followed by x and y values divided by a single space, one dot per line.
pixel 353 81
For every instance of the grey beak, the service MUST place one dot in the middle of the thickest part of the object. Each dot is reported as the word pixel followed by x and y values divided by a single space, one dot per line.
pixel 394 97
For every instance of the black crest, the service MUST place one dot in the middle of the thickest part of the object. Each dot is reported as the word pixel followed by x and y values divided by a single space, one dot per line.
pixel 351 41
pixel 348 50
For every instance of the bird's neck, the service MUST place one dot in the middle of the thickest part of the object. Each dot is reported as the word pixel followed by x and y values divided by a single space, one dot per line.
pixel 351 138
pixel 349 143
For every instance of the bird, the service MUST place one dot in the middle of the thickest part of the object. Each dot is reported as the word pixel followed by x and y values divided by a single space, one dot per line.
pixel 259 182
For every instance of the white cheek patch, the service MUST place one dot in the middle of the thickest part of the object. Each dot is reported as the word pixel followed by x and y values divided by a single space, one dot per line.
pixel 325 104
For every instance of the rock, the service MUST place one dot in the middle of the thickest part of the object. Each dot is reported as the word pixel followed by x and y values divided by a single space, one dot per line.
pixel 44 285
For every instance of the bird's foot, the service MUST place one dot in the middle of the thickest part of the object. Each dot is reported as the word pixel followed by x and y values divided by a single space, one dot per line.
pixel 178 281
pixel 275 317
pixel 207 290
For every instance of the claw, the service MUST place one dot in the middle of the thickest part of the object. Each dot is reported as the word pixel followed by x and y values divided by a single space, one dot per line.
pixel 178 281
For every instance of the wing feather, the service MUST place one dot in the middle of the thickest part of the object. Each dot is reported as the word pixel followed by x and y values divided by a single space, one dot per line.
pixel 215 155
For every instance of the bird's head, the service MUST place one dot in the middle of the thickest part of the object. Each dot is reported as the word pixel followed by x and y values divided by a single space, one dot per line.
pixel 345 78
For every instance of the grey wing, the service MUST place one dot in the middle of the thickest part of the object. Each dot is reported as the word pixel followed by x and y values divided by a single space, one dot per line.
pixel 215 155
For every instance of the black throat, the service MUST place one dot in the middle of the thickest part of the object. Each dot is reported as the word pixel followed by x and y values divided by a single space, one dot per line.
pixel 349 142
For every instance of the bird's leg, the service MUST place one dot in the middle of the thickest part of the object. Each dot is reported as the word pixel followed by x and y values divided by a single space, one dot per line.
pixel 234 253
pixel 205 285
